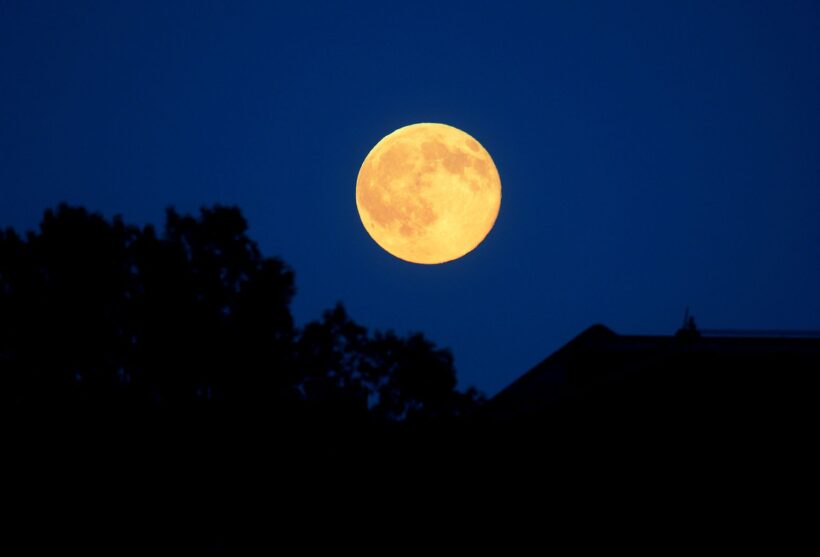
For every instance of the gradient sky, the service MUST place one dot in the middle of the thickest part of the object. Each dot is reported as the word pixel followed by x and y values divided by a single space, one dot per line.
pixel 652 156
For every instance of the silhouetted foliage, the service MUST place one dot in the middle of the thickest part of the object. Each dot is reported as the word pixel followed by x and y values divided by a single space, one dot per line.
pixel 96 312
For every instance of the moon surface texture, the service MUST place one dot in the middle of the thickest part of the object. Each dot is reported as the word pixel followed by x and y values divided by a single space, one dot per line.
pixel 428 193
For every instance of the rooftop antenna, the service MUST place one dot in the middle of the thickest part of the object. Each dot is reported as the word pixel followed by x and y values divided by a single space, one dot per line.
pixel 688 328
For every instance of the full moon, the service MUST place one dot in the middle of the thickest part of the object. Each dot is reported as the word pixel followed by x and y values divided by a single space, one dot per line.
pixel 428 193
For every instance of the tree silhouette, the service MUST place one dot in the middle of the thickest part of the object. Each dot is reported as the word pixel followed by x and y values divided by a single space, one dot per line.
pixel 101 313
pixel 392 377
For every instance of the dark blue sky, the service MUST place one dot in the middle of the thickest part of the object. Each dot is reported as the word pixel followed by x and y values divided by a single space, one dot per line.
pixel 651 156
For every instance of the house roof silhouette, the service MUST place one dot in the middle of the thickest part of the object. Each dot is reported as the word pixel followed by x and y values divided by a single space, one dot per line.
pixel 609 374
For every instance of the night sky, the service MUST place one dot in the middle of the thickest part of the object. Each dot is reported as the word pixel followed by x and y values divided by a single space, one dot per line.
pixel 651 156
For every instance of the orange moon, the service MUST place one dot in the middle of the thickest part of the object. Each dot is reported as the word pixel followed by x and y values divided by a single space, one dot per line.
pixel 428 193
